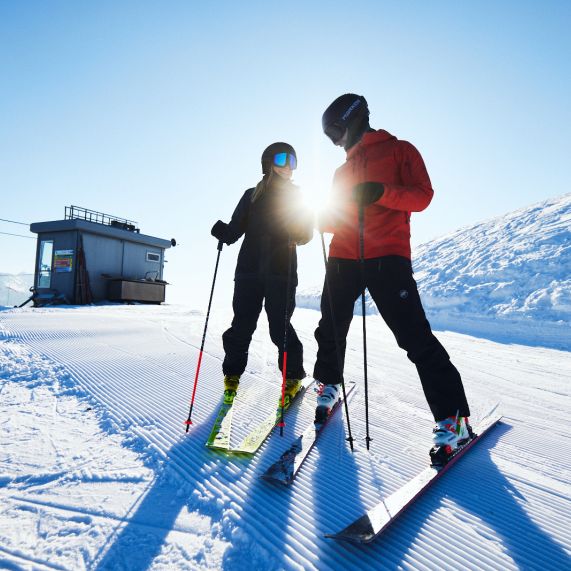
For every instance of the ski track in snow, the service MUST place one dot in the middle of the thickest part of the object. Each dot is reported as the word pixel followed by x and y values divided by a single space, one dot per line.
pixel 99 474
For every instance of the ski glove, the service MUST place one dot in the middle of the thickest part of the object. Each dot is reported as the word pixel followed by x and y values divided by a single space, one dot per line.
pixel 301 234
pixel 326 220
pixel 366 193
pixel 219 230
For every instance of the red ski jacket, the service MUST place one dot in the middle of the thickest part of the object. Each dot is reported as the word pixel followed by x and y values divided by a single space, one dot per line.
pixel 378 157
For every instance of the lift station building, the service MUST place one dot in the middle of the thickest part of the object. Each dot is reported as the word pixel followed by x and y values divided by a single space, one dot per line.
pixel 90 256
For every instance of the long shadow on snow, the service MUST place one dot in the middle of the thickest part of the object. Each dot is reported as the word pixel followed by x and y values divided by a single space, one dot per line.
pixel 336 494
pixel 500 505
pixel 261 536
pixel 477 486
pixel 140 541
pixel 136 544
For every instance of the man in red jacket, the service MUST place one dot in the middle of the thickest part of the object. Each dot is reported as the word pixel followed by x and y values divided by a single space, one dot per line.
pixel 382 181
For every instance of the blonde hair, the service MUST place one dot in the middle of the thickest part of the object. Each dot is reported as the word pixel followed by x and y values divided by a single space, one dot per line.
pixel 263 185
pixel 269 180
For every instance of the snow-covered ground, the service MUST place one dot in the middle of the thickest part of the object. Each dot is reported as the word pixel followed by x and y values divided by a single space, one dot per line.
pixel 506 279
pixel 15 288
pixel 98 473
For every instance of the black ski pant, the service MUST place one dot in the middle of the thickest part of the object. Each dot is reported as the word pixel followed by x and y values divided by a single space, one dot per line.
pixel 391 284
pixel 250 294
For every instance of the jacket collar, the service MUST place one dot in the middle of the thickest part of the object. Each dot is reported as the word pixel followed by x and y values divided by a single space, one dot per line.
pixel 370 138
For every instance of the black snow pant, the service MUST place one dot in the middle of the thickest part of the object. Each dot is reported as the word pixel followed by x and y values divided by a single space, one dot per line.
pixel 249 296
pixel 391 284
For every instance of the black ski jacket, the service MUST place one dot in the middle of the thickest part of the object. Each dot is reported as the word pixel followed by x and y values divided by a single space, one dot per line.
pixel 269 224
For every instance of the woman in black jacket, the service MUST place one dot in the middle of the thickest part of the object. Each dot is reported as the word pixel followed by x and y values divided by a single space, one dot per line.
pixel 272 218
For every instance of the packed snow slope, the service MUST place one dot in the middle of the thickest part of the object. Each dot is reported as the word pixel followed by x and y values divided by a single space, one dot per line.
pixel 98 473
pixel 507 279
pixel 15 288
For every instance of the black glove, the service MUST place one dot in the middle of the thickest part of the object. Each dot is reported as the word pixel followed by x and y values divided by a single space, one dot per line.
pixel 219 230
pixel 366 193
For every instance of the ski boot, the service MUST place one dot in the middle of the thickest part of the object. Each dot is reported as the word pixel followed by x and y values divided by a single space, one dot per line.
pixel 327 397
pixel 230 388
pixel 292 387
pixel 448 435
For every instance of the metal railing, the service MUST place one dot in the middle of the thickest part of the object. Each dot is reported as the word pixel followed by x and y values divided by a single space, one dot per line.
pixel 78 212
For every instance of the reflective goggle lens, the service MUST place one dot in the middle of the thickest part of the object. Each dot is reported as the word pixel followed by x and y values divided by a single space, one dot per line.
pixel 281 160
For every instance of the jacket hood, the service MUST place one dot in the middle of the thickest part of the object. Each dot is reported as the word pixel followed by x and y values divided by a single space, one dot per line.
pixel 371 138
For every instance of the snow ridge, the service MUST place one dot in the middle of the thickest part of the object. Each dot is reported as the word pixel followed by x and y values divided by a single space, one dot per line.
pixel 515 266
pixel 507 279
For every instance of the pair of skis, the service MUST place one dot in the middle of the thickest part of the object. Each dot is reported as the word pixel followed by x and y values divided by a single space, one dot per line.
pixel 371 525
pixel 285 469
pixel 219 438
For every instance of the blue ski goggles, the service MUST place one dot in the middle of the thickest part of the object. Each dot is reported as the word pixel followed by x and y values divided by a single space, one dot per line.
pixel 284 160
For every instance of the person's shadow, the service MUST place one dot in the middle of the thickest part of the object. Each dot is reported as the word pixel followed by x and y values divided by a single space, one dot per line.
pixel 491 498
pixel 140 536
pixel 209 484
pixel 337 490
pixel 262 529
pixel 494 509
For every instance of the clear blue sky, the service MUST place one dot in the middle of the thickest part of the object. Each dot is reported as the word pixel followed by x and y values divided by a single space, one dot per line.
pixel 159 111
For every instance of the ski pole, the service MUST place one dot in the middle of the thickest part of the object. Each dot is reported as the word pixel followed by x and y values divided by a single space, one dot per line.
pixel 188 420
pixel 362 265
pixel 337 348
pixel 281 424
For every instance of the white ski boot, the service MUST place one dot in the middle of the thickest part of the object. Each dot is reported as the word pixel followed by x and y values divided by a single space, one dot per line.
pixel 452 431
pixel 448 434
pixel 327 398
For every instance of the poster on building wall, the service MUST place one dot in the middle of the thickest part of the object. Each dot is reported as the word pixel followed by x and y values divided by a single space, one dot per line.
pixel 63 260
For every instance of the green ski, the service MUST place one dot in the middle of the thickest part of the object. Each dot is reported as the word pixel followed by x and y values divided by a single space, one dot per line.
pixel 258 435
pixel 220 434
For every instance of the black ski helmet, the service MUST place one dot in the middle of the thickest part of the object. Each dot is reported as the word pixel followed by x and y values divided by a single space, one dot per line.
pixel 349 111
pixel 274 149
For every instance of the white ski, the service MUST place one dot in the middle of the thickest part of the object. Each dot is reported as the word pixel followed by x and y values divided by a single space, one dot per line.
pixel 368 527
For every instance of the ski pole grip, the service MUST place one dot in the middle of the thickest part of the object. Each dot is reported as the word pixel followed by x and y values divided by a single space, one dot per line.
pixel 220 244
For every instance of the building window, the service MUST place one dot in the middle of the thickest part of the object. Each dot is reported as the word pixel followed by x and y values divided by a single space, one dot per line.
pixel 45 264
pixel 153 257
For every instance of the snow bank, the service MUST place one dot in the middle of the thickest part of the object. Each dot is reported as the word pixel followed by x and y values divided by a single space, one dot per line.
pixel 507 279
pixel 15 289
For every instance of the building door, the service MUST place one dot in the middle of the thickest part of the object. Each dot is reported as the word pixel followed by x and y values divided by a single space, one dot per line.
pixel 45 264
